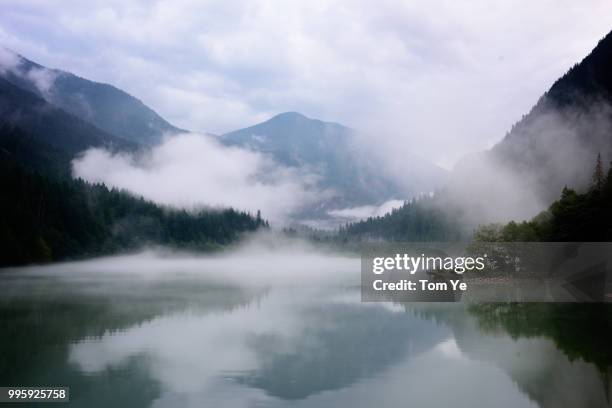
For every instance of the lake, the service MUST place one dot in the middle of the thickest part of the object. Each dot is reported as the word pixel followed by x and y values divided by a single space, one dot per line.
pixel 285 328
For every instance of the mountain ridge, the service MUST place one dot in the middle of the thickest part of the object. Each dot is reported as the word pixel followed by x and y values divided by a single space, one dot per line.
pixel 323 151
pixel 332 153
pixel 555 144
pixel 552 146
pixel 103 105
pixel 51 125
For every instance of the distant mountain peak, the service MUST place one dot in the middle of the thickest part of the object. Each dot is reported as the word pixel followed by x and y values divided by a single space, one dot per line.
pixel 290 115
pixel 330 152
pixel 299 118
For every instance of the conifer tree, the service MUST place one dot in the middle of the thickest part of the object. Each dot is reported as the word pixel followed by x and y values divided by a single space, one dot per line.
pixel 598 174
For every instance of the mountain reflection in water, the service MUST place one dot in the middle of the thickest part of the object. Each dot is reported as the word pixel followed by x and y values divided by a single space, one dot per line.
pixel 193 339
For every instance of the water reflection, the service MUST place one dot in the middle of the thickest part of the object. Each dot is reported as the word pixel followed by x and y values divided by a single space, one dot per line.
pixel 188 340
pixel 572 342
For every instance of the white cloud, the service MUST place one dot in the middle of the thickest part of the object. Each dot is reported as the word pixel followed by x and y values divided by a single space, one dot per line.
pixel 8 60
pixel 192 171
pixel 366 211
pixel 42 78
pixel 439 78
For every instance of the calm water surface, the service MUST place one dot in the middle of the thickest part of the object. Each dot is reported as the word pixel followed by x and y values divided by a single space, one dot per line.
pixel 139 332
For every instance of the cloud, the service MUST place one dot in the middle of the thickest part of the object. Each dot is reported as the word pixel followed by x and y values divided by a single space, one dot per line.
pixel 552 149
pixel 41 78
pixel 192 171
pixel 438 78
pixel 9 61
pixel 366 211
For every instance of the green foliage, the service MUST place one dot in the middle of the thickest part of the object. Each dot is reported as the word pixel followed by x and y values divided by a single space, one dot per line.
pixel 582 331
pixel 526 231
pixel 598 174
pixel 48 218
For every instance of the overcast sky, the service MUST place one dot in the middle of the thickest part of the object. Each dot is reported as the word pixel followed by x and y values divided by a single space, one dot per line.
pixel 439 78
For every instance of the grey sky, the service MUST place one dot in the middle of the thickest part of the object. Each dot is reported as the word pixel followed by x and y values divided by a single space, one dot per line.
pixel 439 78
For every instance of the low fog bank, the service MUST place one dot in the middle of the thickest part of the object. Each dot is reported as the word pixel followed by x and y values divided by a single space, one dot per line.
pixel 262 259
pixel 365 211
pixel 549 149
pixel 483 191
pixel 194 171
pixel 341 216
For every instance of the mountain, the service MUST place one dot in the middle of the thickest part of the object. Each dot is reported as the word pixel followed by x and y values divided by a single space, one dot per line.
pixel 104 106
pixel 555 145
pixel 561 136
pixel 292 138
pixel 31 126
pixel 326 154
pixel 49 216
pixel 552 146
pixel 56 218
pixel 330 152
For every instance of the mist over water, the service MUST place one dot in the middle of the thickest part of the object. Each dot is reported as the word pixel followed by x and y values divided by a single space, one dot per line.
pixel 263 259
pixel 266 323
pixel 349 125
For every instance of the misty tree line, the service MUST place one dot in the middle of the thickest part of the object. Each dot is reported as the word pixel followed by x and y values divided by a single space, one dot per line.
pixel 575 216
pixel 421 219
pixel 579 217
pixel 46 218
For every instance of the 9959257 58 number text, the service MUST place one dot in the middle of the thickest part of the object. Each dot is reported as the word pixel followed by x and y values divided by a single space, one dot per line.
pixel 34 394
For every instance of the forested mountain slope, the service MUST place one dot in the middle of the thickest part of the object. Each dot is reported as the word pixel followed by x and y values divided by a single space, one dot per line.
pixel 45 218
pixel 104 106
